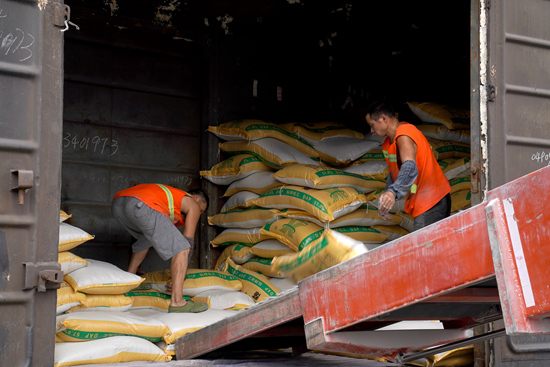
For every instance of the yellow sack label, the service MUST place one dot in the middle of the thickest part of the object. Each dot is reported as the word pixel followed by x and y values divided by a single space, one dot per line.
pixel 234 168
pixel 244 218
pixel 325 204
pixel 150 299
pixel 262 265
pixel 255 285
pixel 332 249
pixel 238 253
pixel 460 183
pixel 81 326
pixel 257 129
pixel 363 234
pixel 105 302
pixel 317 177
pixel 294 233
pixel 461 200
pixel 239 236
pixel 452 117
pixel 448 149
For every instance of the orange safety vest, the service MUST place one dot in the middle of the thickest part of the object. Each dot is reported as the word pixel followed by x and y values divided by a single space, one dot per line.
pixel 431 185
pixel 164 199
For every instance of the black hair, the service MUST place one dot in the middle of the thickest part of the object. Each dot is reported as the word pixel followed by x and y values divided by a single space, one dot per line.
pixel 379 108
pixel 201 194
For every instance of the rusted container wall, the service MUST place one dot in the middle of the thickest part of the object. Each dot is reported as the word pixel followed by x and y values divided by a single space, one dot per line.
pixel 31 95
pixel 132 115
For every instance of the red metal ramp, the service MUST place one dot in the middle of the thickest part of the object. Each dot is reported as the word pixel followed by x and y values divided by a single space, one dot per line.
pixel 264 320
pixel 443 272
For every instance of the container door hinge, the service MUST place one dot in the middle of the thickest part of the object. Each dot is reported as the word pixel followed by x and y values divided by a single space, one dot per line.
pixel 42 276
pixel 491 93
pixel 62 17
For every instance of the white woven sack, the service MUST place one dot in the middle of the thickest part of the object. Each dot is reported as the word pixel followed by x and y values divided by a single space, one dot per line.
pixel 223 300
pixel 342 151
pixel 283 284
pixel 115 349
pixel 181 324
pixel 242 199
pixel 100 277
pixel 368 168
pixel 258 182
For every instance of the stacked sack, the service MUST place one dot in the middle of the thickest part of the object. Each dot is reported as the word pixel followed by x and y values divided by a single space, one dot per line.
pixel 90 292
pixel 447 128
pixel 287 184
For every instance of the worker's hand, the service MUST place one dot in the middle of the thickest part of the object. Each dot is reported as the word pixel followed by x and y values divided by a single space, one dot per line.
pixel 169 287
pixel 385 203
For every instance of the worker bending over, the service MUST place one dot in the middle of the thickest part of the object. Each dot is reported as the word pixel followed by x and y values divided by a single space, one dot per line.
pixel 151 213
pixel 414 171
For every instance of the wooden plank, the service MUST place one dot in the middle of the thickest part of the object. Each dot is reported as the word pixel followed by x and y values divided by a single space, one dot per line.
pixel 258 318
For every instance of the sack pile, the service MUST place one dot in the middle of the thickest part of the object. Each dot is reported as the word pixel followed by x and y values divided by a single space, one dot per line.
pixel 103 318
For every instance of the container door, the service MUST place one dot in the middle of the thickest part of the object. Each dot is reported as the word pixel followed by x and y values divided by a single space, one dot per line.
pixel 518 90
pixel 31 70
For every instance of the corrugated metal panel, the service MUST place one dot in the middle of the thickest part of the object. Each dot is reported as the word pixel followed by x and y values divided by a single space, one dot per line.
pixel 30 132
pixel 519 117
pixel 132 115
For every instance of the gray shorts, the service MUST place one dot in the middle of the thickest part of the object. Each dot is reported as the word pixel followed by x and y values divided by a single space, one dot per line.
pixel 149 227
pixel 439 211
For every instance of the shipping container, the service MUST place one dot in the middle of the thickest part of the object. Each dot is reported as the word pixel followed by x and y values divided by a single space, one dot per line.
pixel 98 96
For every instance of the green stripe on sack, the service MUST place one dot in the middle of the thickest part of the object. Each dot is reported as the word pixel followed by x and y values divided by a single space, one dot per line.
pixel 304 256
pixel 453 148
pixel 250 278
pixel 92 335
pixel 298 195
pixel 248 160
pixel 260 260
pixel 228 243
pixel 244 210
pixel 262 159
pixel 459 180
pixel 335 172
pixel 148 294
pixel 355 229
pixel 324 130
pixel 278 129
pixel 208 274
pixel 309 239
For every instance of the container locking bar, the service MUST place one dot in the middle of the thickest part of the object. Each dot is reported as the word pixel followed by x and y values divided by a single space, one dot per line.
pixel 42 276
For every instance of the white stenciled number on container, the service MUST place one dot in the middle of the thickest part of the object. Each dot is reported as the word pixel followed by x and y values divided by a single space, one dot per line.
pixel 95 144
pixel 541 157
pixel 14 41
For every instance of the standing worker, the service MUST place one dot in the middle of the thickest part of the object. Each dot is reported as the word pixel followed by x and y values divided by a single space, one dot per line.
pixel 414 171
pixel 151 213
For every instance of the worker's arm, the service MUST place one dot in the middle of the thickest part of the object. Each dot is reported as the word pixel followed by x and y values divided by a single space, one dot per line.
pixel 398 189
pixel 191 211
